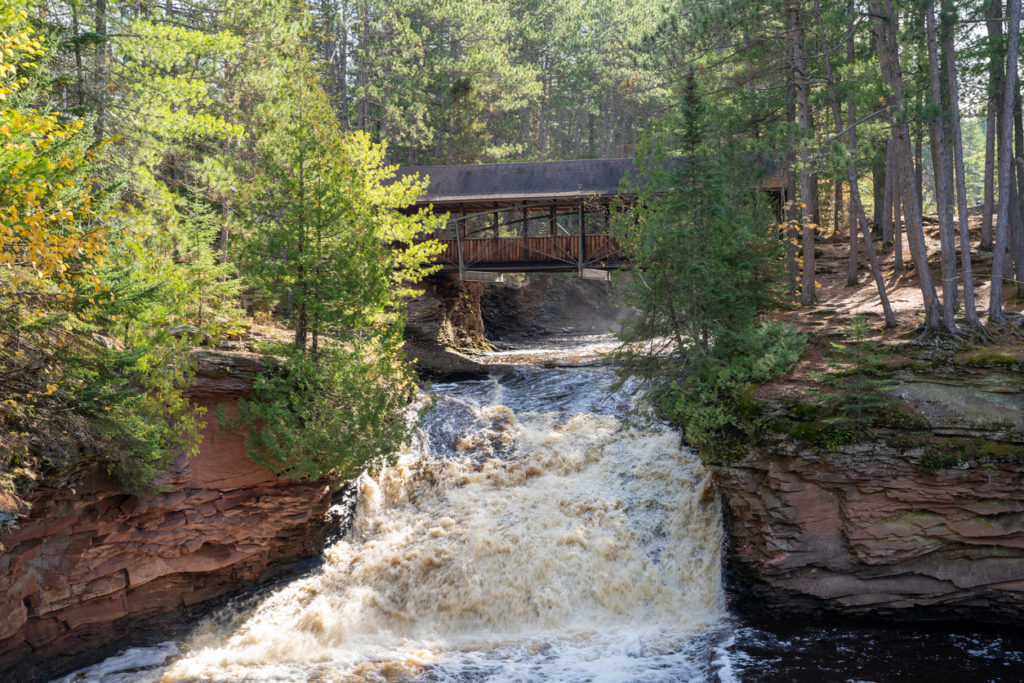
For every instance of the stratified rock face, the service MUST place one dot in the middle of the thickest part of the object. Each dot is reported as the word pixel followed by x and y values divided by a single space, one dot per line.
pixel 865 529
pixel 89 564
pixel 550 303
pixel 447 312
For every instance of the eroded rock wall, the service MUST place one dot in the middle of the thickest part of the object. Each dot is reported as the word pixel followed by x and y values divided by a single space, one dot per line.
pixel 924 522
pixel 89 564
pixel 550 303
pixel 447 312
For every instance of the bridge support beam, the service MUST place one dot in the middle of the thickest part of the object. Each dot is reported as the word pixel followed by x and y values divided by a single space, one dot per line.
pixel 460 227
pixel 580 259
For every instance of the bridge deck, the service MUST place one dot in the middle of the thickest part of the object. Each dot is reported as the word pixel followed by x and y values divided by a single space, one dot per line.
pixel 532 254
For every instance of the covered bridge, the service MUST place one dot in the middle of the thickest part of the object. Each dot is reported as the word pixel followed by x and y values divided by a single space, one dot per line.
pixel 535 216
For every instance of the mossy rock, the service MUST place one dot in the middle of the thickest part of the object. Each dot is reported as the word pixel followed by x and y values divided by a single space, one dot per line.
pixel 932 461
pixel 901 417
pixel 997 451
pixel 829 434
pixel 990 358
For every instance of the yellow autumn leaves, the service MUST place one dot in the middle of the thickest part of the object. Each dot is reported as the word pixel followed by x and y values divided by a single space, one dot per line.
pixel 47 224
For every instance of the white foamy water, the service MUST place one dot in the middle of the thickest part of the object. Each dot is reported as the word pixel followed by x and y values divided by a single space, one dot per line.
pixel 530 534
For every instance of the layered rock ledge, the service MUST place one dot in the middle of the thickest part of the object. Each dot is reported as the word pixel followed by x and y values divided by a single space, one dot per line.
pixel 88 564
pixel 921 522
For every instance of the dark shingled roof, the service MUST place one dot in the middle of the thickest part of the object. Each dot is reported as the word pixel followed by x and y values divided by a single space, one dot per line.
pixel 522 181
pixel 538 180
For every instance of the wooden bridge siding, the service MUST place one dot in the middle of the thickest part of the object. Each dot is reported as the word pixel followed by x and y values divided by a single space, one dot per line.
pixel 561 249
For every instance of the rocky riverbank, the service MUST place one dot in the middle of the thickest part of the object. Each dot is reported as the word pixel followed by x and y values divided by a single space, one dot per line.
pixel 88 565
pixel 921 519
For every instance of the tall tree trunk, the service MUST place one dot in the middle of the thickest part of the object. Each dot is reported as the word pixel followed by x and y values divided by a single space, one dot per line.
pixel 851 143
pixel 803 116
pixel 225 217
pixel 301 280
pixel 363 75
pixel 884 21
pixel 1017 217
pixel 988 201
pixel 1016 240
pixel 919 159
pixel 346 119
pixel 994 25
pixel 792 216
pixel 1005 156
pixel 946 26
pixel 897 252
pixel 815 197
pixel 542 117
pixel 837 205
pixel 878 170
pixel 851 175
pixel 76 30
pixel 943 173
pixel 890 188
pixel 101 68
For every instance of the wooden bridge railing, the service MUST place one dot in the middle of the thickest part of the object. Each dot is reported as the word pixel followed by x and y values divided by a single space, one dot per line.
pixel 523 254
pixel 525 238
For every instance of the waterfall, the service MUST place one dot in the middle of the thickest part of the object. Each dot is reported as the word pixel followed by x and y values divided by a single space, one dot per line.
pixel 531 532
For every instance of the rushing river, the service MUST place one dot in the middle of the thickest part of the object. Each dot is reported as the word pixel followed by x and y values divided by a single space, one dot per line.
pixel 535 531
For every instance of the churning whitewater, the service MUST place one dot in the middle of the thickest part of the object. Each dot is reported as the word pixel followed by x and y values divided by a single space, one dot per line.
pixel 530 533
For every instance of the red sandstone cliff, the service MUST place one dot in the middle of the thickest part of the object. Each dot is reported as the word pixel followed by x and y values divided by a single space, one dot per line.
pixel 88 564
pixel 924 522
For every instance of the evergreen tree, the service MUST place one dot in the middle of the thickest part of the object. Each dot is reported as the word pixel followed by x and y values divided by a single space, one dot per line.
pixel 697 340
pixel 326 240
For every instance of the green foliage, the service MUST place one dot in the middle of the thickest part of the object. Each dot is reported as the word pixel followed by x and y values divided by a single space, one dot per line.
pixel 325 236
pixel 930 461
pixel 489 80
pixel 334 414
pixel 327 241
pixel 940 454
pixel 708 263
pixel 713 401
pixel 88 370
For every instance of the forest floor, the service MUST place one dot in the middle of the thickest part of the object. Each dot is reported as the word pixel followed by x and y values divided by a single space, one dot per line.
pixel 852 315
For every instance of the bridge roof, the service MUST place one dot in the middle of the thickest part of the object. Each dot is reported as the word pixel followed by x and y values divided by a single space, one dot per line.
pixel 532 181
pixel 525 181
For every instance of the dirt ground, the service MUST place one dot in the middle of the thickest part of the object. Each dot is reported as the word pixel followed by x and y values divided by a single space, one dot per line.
pixel 829 321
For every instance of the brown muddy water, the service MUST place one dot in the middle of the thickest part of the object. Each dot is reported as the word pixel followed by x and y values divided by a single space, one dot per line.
pixel 538 530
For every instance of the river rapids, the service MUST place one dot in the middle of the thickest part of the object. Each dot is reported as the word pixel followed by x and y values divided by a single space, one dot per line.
pixel 534 530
